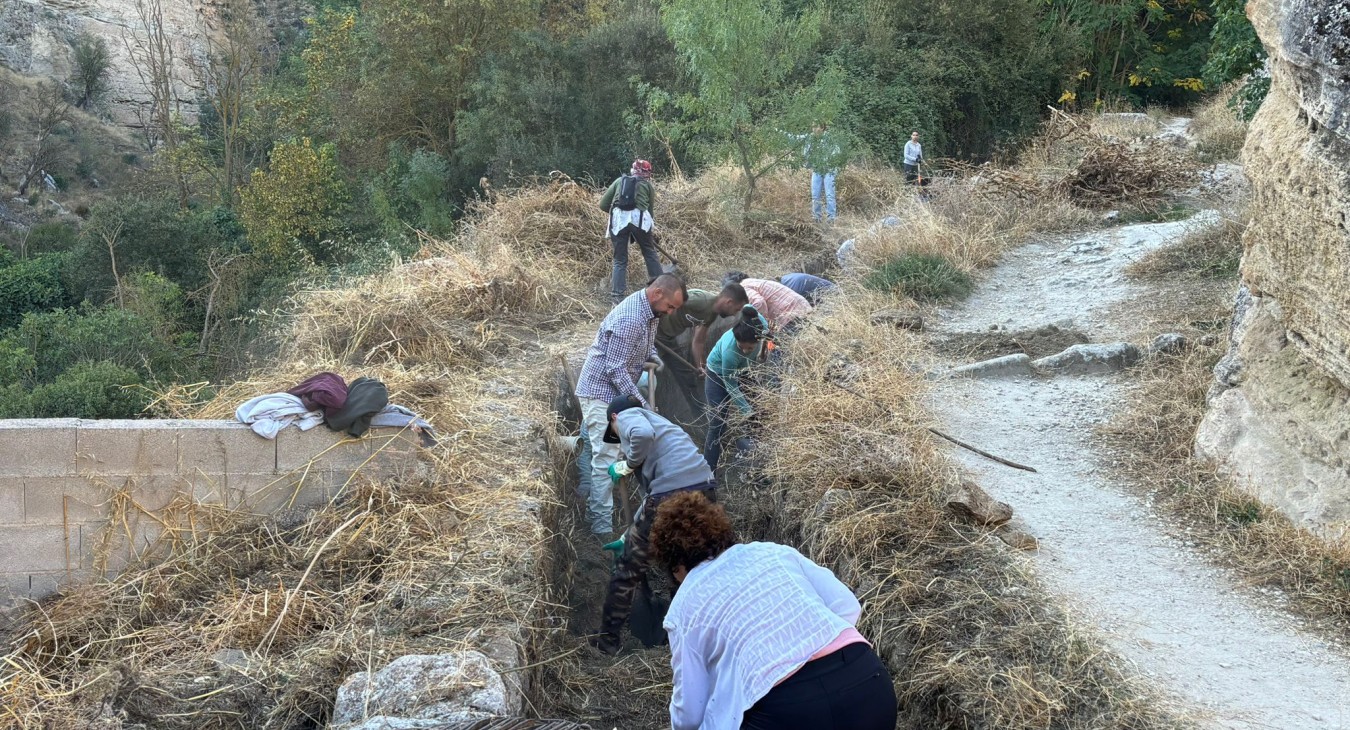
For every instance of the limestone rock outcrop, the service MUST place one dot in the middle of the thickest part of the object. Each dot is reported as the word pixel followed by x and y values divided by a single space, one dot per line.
pixel 37 38
pixel 1277 416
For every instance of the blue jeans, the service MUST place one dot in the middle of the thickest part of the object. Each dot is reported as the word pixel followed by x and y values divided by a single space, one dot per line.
pixel 719 402
pixel 822 183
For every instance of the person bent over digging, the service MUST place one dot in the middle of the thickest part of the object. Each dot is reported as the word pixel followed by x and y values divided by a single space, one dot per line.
pixel 760 636
pixel 624 345
pixel 666 463
pixel 736 350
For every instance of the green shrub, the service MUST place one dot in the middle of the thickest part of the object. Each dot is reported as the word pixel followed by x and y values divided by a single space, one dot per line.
pixel 90 390
pixel 63 338
pixel 31 285
pixel 922 277
pixel 51 238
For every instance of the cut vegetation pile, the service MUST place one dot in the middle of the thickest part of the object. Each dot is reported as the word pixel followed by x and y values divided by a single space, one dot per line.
pixel 860 485
pixel 1135 172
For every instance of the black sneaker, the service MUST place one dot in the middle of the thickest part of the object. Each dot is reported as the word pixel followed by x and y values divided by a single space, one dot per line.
pixel 607 644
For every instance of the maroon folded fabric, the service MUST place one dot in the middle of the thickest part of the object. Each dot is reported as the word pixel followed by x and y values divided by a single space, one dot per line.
pixel 325 391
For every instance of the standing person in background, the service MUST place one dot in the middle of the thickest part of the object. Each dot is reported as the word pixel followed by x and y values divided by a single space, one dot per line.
pixel 629 204
pixel 761 638
pixel 737 349
pixel 625 344
pixel 913 158
pixel 824 156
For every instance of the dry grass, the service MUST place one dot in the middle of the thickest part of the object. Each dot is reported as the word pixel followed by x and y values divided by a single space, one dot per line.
pixel 1213 252
pixel 1219 133
pixel 1124 126
pixel 1264 546
pixel 964 626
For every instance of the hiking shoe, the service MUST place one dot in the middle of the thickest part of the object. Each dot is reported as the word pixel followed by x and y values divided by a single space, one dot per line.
pixel 607 644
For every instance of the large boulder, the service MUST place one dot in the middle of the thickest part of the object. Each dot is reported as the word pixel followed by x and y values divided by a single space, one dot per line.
pixel 449 688
pixel 1277 419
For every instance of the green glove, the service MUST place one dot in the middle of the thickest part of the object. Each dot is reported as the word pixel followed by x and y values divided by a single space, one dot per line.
pixel 618 470
pixel 616 546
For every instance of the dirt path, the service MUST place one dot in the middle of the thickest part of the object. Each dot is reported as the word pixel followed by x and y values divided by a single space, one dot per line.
pixel 1238 661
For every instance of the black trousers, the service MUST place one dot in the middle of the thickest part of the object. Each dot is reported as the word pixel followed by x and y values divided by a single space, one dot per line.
pixel 847 690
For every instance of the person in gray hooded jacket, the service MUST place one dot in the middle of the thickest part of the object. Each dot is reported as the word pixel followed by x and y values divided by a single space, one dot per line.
pixel 666 462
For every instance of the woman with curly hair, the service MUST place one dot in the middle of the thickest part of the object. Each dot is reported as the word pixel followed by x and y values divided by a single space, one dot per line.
pixel 760 636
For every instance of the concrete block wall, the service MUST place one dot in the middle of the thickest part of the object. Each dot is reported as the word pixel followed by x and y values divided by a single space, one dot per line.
pixel 82 498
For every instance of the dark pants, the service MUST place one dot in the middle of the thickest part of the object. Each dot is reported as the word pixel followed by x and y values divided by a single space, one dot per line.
pixel 618 283
pixel 911 173
pixel 636 559
pixel 847 690
pixel 719 404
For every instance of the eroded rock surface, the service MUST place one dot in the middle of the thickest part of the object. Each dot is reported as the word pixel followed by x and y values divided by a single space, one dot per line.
pixel 1277 416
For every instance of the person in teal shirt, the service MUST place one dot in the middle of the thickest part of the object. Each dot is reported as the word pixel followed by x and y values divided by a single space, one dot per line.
pixel 738 349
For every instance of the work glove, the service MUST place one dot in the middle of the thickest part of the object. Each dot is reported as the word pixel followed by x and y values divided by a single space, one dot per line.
pixel 615 547
pixel 618 470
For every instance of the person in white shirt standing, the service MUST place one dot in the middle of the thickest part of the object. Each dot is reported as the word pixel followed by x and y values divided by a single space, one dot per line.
pixel 760 636
pixel 913 158
pixel 629 202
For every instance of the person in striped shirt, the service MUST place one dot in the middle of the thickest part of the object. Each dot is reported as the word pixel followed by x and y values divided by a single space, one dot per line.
pixel 624 345
pixel 779 304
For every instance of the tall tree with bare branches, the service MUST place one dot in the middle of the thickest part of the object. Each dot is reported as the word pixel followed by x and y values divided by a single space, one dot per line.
pixel 152 56
pixel 228 73
pixel 46 114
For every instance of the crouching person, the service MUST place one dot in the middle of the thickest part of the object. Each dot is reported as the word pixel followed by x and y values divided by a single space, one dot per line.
pixel 760 636
pixel 666 463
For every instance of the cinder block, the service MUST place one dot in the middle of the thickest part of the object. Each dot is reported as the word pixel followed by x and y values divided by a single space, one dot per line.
pixel 127 447
pixel 13 588
pixel 110 547
pixel 11 501
pixel 224 447
pixel 38 446
pixel 326 449
pixel 207 488
pixel 41 585
pixel 37 548
pixel 62 500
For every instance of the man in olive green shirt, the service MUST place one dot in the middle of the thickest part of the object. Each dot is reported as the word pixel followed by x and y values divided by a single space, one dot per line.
pixel 695 317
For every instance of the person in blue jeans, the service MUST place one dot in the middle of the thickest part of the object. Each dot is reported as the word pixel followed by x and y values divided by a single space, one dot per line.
pixel 737 349
pixel 824 156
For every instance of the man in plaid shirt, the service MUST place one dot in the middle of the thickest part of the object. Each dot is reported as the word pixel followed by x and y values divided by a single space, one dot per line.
pixel 625 344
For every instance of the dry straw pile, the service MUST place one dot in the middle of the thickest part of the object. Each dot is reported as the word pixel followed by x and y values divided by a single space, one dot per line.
pixel 971 640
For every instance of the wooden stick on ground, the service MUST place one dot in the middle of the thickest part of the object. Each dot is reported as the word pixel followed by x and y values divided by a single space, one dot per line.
pixel 939 434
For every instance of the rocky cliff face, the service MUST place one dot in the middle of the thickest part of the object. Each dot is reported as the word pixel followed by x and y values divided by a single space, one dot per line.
pixel 1278 417
pixel 37 37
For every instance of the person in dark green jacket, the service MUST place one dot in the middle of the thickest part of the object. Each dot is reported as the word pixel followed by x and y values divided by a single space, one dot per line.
pixel 629 204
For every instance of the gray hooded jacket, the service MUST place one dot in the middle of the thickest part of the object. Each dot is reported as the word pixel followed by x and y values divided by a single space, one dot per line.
pixel 668 458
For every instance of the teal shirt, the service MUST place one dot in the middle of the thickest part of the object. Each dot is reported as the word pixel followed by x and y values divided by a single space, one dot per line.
pixel 727 361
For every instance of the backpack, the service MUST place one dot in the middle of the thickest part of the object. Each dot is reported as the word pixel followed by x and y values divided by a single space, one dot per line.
pixel 627 197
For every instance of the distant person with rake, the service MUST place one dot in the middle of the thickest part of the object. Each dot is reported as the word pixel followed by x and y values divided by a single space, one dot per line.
pixel 666 463
pixel 629 202
pixel 622 349
pixel 761 637
pixel 913 158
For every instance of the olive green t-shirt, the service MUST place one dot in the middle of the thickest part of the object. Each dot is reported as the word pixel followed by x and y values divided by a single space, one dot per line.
pixel 697 310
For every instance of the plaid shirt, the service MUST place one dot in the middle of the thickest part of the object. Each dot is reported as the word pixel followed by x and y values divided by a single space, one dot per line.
pixel 626 340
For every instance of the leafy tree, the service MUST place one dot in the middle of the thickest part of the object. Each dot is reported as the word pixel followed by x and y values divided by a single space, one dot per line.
pixel 290 208
pixel 1236 52
pixel 60 339
pixel 93 64
pixel 742 54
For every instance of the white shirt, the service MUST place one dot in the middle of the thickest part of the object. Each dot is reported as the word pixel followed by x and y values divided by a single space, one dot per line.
pixel 913 152
pixel 619 219
pixel 268 414
pixel 741 623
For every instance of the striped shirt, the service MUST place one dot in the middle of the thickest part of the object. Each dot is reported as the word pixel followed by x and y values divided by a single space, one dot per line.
pixel 626 340
pixel 779 304
pixel 742 622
